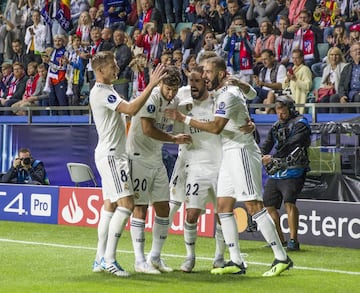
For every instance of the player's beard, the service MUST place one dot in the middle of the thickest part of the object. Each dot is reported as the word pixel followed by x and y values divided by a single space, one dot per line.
pixel 213 84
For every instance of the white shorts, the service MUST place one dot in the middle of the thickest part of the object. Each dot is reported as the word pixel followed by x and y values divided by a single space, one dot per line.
pixel 115 177
pixel 240 174
pixel 194 184
pixel 150 184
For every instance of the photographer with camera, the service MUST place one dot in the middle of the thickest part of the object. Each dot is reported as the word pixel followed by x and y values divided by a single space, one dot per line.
pixel 26 170
pixel 286 166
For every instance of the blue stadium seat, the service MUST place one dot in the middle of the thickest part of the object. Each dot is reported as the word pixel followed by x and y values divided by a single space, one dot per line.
pixel 323 49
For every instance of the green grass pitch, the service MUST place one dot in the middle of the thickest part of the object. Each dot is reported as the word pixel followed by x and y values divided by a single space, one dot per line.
pixel 54 258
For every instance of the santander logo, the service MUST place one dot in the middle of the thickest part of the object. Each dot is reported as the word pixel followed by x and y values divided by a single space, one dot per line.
pixel 72 212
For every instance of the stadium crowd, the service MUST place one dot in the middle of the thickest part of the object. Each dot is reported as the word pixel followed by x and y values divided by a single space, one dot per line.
pixel 309 48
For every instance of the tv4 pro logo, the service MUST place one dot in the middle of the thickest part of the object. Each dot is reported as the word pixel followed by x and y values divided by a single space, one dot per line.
pixel 40 205
pixel 29 203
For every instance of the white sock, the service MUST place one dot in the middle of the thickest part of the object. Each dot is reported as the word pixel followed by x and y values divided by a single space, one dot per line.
pixel 220 244
pixel 174 207
pixel 268 230
pixel 137 230
pixel 103 228
pixel 190 235
pixel 160 232
pixel 231 236
pixel 116 226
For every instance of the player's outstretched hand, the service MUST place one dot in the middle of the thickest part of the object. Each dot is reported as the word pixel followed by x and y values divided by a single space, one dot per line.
pixel 174 114
pixel 157 74
pixel 182 138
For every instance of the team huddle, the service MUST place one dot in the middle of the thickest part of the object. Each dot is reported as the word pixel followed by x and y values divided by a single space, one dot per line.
pixel 218 162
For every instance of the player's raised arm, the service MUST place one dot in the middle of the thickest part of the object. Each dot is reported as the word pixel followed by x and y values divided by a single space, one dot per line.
pixel 131 108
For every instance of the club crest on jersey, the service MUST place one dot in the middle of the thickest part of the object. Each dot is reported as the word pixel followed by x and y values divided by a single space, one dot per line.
pixel 151 108
pixel 189 107
pixel 220 109
pixel 111 99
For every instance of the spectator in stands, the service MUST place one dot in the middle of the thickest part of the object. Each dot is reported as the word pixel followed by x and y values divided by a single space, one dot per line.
pixel 83 28
pixel 306 37
pixel 5 27
pixel 298 79
pixel 39 97
pixel 140 74
pixel 297 6
pixel 331 76
pixel 265 41
pixel 116 13
pixel 123 57
pixel 149 13
pixel 182 37
pixel 6 78
pixel 354 37
pixel 338 39
pixel 210 44
pixel 168 43
pixel 30 88
pixel 195 39
pixel 325 16
pixel 149 39
pixel 262 11
pixel 16 89
pixel 239 44
pixel 75 72
pixel 35 38
pixel 107 39
pixel 76 8
pixel 97 45
pixel 269 81
pixel 213 17
pixel 57 75
pixel 349 85
pixel 233 9
pixel 26 170
pixel 283 44
pixel 19 54
pixel 97 17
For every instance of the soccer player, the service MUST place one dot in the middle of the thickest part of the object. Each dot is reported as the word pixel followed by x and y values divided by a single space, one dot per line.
pixel 240 177
pixel 111 158
pixel 148 131
pixel 199 161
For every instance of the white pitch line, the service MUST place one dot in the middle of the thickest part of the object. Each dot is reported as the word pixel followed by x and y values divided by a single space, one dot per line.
pixel 171 255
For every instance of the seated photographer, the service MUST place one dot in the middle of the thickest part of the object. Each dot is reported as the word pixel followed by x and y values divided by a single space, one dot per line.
pixel 26 170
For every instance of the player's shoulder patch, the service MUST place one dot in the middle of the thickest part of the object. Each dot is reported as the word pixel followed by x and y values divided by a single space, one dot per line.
pixel 151 108
pixel 111 99
pixel 221 108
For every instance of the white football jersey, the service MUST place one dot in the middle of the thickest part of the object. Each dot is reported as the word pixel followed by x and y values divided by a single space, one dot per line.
pixel 140 146
pixel 231 104
pixel 110 124
pixel 205 146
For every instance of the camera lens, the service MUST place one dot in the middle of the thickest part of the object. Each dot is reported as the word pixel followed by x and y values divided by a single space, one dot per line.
pixel 26 161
